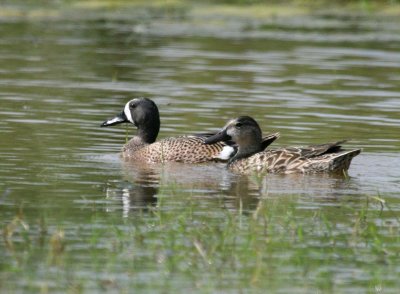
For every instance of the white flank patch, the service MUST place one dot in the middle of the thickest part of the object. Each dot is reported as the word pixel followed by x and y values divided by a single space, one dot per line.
pixel 226 153
pixel 127 112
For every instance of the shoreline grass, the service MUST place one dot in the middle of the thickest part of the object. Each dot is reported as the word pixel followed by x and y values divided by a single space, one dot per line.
pixel 276 246
pixel 187 8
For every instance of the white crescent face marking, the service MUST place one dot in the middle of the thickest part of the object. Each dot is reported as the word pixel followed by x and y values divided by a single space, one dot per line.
pixel 127 112
pixel 230 132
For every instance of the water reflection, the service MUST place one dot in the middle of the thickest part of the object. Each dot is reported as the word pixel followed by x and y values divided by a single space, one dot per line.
pixel 138 194
pixel 144 183
pixel 131 198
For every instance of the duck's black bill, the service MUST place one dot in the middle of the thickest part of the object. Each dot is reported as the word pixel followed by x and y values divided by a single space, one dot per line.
pixel 120 118
pixel 220 136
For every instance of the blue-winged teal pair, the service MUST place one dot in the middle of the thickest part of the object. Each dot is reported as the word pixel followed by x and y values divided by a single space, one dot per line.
pixel 240 143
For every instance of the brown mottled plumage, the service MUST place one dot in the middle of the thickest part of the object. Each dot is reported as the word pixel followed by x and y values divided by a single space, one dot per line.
pixel 251 158
pixel 143 113
pixel 180 149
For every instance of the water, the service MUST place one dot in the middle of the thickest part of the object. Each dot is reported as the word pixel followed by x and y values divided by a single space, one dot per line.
pixel 314 79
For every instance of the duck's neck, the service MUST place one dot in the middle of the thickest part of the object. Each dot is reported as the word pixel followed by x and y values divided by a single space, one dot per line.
pixel 148 131
pixel 247 150
pixel 148 135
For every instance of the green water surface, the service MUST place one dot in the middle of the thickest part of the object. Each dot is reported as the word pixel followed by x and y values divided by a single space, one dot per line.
pixel 75 218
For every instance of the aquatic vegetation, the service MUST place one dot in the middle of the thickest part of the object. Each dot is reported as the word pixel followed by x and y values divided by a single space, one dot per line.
pixel 186 246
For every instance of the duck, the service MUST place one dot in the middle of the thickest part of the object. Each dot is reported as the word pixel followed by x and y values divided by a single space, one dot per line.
pixel 144 114
pixel 252 158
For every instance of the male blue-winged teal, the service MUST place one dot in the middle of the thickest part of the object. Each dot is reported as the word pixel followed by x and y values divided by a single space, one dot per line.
pixel 251 157
pixel 143 113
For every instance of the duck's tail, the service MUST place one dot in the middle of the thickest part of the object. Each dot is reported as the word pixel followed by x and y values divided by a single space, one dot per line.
pixel 335 162
pixel 341 161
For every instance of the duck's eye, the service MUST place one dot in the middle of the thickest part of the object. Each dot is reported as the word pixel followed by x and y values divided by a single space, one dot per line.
pixel 238 125
pixel 133 105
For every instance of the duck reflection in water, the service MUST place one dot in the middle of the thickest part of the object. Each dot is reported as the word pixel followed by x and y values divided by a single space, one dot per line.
pixel 137 195
pixel 210 183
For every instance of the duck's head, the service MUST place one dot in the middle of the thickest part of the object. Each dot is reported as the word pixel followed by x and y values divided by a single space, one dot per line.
pixel 138 111
pixel 243 130
pixel 143 113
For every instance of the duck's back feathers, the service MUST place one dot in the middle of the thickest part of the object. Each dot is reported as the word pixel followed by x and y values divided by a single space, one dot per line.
pixel 328 157
pixel 317 150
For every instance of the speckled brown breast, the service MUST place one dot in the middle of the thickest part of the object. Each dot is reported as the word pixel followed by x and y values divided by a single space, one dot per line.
pixel 188 149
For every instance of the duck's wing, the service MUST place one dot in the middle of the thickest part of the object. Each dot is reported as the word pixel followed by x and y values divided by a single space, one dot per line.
pixel 316 150
pixel 269 139
pixel 329 157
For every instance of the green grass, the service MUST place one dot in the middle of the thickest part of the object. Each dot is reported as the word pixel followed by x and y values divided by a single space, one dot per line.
pixel 184 247
pixel 178 9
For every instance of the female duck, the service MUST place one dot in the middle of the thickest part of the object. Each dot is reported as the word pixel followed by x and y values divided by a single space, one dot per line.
pixel 143 113
pixel 251 158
